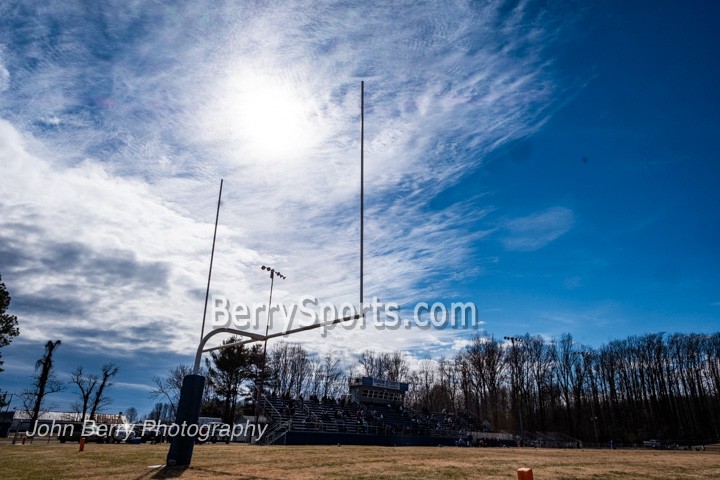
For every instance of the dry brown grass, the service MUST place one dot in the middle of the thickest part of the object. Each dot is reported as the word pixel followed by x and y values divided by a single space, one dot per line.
pixel 56 461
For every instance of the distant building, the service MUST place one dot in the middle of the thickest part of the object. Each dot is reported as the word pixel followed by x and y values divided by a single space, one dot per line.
pixel 20 421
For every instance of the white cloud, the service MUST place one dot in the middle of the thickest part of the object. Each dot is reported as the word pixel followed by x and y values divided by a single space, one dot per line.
pixel 115 235
pixel 535 231
pixel 119 160
pixel 4 77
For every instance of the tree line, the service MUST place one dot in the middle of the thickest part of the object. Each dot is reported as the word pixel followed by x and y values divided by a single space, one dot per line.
pixel 654 385
pixel 92 388
pixel 234 375
pixel 649 386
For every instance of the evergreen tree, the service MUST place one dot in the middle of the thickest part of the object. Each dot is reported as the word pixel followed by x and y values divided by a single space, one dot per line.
pixel 8 323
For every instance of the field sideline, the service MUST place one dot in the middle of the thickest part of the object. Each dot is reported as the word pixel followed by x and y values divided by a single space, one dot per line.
pixel 55 461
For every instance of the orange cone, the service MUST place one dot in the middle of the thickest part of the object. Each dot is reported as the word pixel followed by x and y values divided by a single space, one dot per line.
pixel 524 474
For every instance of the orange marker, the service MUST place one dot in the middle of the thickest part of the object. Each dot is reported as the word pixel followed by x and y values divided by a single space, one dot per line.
pixel 524 474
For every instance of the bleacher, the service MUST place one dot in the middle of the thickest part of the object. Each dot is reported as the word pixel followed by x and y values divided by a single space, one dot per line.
pixel 315 415
pixel 374 407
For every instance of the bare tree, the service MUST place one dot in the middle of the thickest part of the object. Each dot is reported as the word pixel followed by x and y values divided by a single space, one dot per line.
pixel 168 387
pixel 371 363
pixel 331 375
pixel 486 356
pixel 395 366
pixel 131 415
pixel 390 366
pixel 299 368
pixel 86 385
pixel 109 370
pixel 566 374
pixel 162 413
pixel 291 367
pixel 425 381
pixel 45 383
pixel 540 362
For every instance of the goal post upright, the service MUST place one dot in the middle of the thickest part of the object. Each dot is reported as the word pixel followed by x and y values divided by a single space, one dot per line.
pixel 190 402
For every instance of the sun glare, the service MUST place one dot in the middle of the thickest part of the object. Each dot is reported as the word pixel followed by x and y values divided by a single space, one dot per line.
pixel 271 118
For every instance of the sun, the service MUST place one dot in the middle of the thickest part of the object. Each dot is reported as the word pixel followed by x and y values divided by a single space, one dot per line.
pixel 271 117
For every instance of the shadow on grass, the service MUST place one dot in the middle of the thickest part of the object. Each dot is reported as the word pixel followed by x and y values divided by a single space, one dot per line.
pixel 177 472
pixel 169 472
pixel 162 471
pixel 218 473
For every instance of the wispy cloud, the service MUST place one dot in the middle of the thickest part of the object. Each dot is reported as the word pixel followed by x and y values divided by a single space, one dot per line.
pixel 534 231
pixel 120 121
pixel 4 75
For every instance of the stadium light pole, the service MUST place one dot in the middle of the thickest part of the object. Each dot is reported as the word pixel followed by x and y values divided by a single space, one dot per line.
pixel 273 273
pixel 261 389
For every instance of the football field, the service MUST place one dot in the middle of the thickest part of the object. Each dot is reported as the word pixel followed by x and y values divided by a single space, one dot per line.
pixel 241 461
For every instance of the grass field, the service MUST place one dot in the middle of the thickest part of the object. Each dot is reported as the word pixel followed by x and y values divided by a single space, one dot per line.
pixel 56 461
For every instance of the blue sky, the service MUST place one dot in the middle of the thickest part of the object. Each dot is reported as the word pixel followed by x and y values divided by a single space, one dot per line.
pixel 555 164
